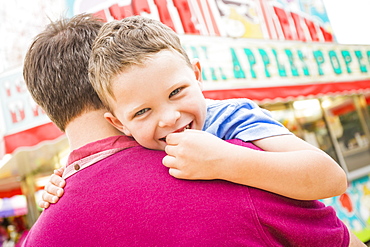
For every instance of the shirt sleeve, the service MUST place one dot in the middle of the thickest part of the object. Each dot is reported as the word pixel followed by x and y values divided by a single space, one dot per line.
pixel 242 119
pixel 298 223
pixel 282 221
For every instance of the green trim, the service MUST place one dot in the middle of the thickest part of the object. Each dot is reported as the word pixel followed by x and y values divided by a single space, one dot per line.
pixel 363 235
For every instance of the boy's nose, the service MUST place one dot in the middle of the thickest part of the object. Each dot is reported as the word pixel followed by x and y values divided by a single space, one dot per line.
pixel 169 118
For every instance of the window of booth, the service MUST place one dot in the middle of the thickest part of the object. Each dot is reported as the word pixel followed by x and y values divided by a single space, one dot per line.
pixel 285 115
pixel 349 126
pixel 367 107
pixel 314 126
pixel 305 119
pixel 339 125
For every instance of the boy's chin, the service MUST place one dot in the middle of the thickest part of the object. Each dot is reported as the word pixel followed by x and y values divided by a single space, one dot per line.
pixel 159 147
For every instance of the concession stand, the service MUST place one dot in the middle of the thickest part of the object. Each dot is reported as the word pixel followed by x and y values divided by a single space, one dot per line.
pixel 31 148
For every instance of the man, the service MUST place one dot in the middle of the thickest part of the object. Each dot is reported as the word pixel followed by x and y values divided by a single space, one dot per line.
pixel 119 194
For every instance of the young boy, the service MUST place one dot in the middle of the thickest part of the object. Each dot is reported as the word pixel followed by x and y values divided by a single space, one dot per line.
pixel 153 93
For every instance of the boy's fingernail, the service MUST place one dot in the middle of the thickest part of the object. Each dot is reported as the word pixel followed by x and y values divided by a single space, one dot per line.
pixel 54 199
pixel 59 192
pixel 61 184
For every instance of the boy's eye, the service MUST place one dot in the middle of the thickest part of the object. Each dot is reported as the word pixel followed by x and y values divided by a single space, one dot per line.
pixel 176 91
pixel 141 112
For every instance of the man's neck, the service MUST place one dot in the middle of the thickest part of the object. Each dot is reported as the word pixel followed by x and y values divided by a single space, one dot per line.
pixel 89 127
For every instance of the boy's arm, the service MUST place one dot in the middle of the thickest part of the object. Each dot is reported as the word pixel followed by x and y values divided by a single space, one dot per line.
pixel 244 119
pixel 291 167
pixel 53 190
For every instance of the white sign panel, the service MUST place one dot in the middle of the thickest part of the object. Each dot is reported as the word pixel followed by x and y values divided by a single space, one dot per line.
pixel 19 111
pixel 240 63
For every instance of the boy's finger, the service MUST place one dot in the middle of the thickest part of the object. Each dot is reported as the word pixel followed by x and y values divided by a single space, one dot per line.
pixel 174 172
pixel 49 197
pixel 53 190
pixel 59 171
pixel 57 181
pixel 43 204
pixel 173 138
pixel 169 161
pixel 170 150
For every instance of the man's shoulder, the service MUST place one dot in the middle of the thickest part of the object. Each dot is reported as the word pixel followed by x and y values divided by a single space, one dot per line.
pixel 243 143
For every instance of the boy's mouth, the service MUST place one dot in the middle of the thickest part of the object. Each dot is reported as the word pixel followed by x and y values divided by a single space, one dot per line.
pixel 177 131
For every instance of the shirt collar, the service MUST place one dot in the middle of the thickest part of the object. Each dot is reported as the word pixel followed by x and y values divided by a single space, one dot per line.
pixel 112 142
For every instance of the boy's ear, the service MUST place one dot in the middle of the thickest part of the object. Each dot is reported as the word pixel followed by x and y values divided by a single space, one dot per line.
pixel 197 69
pixel 116 123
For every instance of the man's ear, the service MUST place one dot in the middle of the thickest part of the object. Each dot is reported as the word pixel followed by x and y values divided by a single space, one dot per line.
pixel 197 69
pixel 116 123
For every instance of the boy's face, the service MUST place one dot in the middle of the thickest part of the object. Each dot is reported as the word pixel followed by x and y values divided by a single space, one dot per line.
pixel 158 98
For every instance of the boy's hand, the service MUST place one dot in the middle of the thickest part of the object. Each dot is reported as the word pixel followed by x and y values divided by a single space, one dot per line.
pixel 195 154
pixel 53 189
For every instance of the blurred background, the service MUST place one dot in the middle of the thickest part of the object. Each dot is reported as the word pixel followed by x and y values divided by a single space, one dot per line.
pixel 307 61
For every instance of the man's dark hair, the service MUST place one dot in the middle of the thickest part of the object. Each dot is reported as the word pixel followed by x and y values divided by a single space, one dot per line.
pixel 56 68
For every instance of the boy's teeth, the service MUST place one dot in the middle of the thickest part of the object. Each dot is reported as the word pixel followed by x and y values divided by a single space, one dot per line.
pixel 186 127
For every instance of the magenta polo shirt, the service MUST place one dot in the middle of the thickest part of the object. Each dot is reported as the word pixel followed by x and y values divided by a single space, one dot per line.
pixel 129 199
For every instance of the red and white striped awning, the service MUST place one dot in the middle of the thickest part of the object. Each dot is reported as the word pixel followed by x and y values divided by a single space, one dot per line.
pixel 31 137
pixel 291 92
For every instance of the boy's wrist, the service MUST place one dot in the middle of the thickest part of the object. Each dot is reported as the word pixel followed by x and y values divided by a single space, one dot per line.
pixel 225 166
pixel 237 164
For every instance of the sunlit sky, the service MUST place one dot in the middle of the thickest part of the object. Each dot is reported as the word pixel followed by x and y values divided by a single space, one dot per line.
pixel 350 20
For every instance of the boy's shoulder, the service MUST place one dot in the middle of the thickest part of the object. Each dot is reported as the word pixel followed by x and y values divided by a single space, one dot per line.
pixel 238 102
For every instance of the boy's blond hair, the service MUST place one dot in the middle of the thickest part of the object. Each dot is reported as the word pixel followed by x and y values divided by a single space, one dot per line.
pixel 122 44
